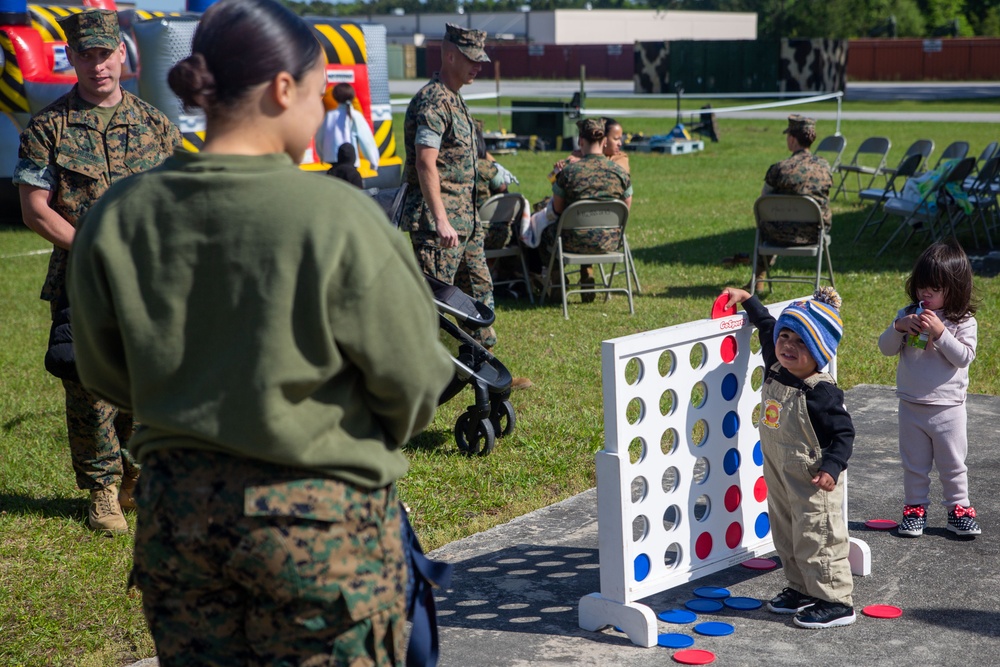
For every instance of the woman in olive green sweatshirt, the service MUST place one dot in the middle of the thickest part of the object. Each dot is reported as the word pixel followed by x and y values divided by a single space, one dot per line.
pixel 274 337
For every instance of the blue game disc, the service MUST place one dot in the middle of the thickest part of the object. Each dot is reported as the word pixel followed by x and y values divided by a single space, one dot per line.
pixel 714 629
pixel 671 640
pixel 712 593
pixel 743 603
pixel 678 616
pixel 704 605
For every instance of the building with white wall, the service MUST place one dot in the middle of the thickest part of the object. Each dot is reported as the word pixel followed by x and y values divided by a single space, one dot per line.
pixel 575 26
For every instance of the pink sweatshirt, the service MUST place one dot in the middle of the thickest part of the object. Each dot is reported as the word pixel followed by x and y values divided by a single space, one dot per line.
pixel 938 375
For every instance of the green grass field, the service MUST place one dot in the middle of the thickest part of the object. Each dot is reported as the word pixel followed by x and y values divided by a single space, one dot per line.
pixel 63 599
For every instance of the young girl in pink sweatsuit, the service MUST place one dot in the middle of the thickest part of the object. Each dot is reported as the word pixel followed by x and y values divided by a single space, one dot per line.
pixel 935 338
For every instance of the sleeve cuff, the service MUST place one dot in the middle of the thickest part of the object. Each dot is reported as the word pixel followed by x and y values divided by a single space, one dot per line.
pixel 427 137
pixel 28 173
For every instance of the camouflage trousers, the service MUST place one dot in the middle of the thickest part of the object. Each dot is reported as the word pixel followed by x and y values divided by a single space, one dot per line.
pixel 97 433
pixel 463 266
pixel 578 240
pixel 243 562
pixel 498 235
pixel 788 233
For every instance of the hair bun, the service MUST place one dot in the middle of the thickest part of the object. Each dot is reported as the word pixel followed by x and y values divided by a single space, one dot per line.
pixel 192 81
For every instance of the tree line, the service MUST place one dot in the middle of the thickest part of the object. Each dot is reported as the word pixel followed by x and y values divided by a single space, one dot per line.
pixel 835 19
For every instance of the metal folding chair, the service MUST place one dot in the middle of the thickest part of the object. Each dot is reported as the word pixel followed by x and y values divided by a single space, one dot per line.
pixel 956 150
pixel 832 149
pixel 907 168
pixel 921 147
pixel 777 209
pixel 931 212
pixel 507 208
pixel 982 197
pixel 590 214
pixel 872 151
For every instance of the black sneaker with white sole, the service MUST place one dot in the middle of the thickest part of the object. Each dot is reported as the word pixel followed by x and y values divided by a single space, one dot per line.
pixel 825 614
pixel 962 521
pixel 790 601
pixel 914 521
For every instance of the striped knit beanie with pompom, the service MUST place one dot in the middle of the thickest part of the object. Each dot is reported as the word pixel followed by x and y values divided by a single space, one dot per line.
pixel 817 322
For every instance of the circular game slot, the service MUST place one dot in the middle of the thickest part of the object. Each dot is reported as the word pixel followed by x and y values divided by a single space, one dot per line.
pixel 640 528
pixel 699 394
pixel 666 363
pixel 634 411
pixel 636 450
pixel 699 355
pixel 672 556
pixel 671 478
pixel 668 403
pixel 671 517
pixel 639 489
pixel 728 349
pixel 668 442
pixel 633 371
pixel 702 508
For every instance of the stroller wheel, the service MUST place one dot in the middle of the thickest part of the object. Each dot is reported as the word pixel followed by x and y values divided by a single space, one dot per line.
pixel 502 418
pixel 481 438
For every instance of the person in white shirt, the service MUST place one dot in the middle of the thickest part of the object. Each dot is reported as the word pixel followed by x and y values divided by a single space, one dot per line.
pixel 346 125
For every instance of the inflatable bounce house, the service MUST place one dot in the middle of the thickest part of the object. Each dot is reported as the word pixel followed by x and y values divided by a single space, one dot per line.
pixel 34 71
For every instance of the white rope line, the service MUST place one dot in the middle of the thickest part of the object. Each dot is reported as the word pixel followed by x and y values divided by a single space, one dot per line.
pixel 27 254
pixel 651 113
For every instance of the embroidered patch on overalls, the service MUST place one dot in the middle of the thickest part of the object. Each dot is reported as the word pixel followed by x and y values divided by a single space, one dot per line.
pixel 772 413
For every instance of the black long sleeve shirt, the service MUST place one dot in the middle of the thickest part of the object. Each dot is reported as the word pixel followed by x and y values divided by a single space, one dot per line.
pixel 825 402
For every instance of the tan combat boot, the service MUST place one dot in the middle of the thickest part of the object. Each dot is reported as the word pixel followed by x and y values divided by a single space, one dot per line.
pixel 105 514
pixel 126 496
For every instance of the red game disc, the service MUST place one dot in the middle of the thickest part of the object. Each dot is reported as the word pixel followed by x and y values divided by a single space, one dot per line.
pixel 881 524
pixel 882 611
pixel 759 564
pixel 694 656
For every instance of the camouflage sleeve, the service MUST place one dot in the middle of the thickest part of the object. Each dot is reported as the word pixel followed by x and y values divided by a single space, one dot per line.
pixel 174 138
pixel 36 163
pixel 433 120
pixel 559 185
pixel 773 176
pixel 488 172
pixel 427 137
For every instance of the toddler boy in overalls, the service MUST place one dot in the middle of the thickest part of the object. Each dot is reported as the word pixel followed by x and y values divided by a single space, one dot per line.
pixel 807 437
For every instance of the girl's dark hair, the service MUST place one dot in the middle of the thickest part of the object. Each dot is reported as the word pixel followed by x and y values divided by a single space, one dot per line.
pixel 240 44
pixel 945 265
pixel 608 124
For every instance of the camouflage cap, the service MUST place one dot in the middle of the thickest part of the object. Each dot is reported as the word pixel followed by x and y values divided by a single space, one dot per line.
pixel 95 28
pixel 800 124
pixel 472 43
pixel 590 127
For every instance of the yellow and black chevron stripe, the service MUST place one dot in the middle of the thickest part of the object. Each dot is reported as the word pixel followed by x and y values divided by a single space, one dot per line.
pixel 193 141
pixel 13 97
pixel 145 15
pixel 45 19
pixel 386 140
pixel 344 43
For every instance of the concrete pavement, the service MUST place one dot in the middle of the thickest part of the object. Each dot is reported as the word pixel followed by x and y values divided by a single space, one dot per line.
pixel 516 587
pixel 514 595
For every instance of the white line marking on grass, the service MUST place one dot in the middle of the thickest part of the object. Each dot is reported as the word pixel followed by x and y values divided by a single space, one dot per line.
pixel 27 254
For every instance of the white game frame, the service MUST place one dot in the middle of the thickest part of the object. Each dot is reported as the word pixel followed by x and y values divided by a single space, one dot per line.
pixel 687 530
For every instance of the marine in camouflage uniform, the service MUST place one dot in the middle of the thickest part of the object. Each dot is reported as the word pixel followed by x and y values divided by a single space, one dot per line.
pixel 437 117
pixel 590 177
pixel 76 151
pixel 801 174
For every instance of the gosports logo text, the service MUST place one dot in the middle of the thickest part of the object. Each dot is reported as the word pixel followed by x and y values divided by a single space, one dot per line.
pixel 732 324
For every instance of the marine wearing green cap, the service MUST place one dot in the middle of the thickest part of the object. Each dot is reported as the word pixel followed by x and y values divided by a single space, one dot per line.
pixel 802 128
pixel 93 29
pixel 70 153
pixel 472 43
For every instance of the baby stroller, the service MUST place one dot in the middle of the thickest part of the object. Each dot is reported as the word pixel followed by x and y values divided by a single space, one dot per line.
pixel 492 414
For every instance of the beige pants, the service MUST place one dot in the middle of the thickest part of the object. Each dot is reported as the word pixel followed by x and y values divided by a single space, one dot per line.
pixel 807 524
